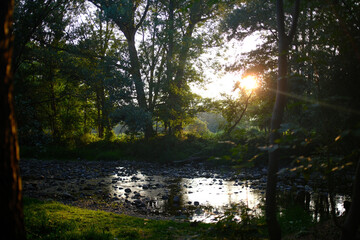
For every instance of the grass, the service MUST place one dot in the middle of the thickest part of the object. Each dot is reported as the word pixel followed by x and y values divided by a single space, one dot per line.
pixel 53 220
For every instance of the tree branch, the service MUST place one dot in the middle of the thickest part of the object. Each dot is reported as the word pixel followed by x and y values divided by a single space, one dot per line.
pixel 143 16
pixel 294 21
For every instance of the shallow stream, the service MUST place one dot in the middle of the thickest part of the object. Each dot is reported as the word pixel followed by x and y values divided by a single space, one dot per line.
pixel 186 192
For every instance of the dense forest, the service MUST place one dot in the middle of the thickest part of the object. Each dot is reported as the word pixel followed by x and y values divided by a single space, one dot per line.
pixel 114 80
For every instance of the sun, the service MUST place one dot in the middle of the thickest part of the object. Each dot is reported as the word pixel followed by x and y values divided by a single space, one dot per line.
pixel 249 83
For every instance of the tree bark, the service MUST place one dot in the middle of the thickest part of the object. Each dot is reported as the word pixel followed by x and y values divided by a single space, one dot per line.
pixel 11 212
pixel 352 220
pixel 277 115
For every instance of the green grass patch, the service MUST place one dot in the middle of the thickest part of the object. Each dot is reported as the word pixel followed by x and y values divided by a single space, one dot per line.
pixel 53 220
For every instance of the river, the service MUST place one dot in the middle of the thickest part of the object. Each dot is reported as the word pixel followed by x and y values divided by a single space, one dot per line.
pixel 188 192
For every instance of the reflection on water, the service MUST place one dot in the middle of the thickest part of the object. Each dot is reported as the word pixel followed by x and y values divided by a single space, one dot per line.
pixel 200 199
pixel 205 199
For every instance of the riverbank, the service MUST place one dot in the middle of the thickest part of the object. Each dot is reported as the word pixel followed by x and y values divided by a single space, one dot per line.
pixel 186 192
pixel 190 191
pixel 52 220
pixel 122 186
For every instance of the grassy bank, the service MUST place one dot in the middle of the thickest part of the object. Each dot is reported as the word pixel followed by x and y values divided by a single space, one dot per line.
pixel 53 220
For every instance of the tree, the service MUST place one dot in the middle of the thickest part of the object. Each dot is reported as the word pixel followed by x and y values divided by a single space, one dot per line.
pixel 284 43
pixel 42 66
pixel 352 222
pixel 233 110
pixel 124 15
pixel 11 212
pixel 195 12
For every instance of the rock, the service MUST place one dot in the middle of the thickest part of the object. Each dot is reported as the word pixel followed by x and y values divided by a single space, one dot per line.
pixel 88 187
pixel 176 199
pixel 134 178
pixel 127 190
pixel 196 203
pixel 67 195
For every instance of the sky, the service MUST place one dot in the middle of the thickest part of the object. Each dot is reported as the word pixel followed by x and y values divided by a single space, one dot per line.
pixel 221 81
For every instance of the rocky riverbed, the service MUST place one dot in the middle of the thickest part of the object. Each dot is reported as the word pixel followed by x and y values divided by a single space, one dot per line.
pixel 182 192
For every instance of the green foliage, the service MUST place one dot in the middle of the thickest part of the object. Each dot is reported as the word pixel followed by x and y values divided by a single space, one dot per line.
pixel 242 150
pixel 135 118
pixel 212 120
pixel 238 222
pixel 197 127
pixel 295 219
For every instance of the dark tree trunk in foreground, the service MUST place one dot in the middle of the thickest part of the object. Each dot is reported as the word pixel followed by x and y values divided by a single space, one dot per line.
pixel 284 42
pixel 11 213
pixel 352 220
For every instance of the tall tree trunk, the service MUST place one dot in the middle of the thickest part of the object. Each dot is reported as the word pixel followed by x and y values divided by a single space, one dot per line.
pixel 100 126
pixel 352 221
pixel 186 42
pixel 54 113
pixel 277 115
pixel 135 71
pixel 179 81
pixel 170 46
pixel 139 85
pixel 11 212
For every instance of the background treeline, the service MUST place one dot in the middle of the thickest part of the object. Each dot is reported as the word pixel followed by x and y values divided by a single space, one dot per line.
pixel 80 69
pixel 84 67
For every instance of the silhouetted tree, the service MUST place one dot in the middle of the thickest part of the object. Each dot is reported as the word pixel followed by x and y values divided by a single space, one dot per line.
pixel 11 213
pixel 284 42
